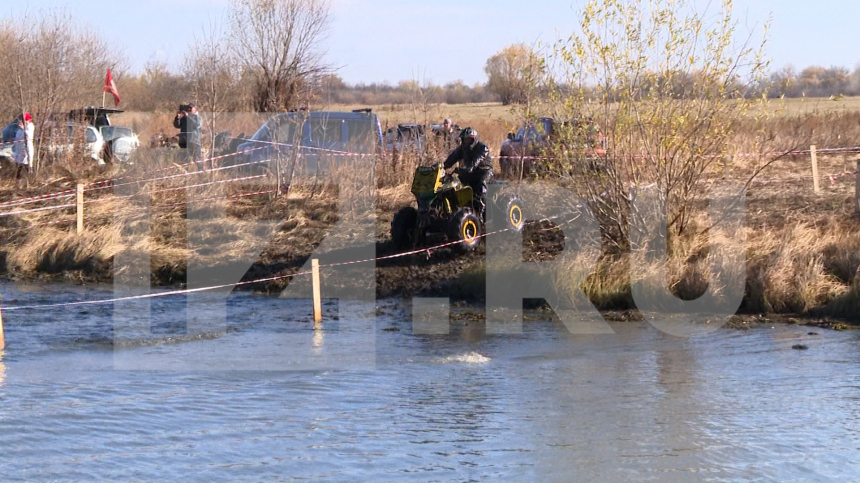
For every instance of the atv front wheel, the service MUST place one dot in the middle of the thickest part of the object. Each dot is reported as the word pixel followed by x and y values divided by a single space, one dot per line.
pixel 465 228
pixel 403 228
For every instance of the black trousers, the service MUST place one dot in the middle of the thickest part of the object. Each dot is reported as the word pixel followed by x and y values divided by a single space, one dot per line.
pixel 22 172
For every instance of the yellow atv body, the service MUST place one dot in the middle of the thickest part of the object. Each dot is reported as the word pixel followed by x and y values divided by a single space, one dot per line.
pixel 445 207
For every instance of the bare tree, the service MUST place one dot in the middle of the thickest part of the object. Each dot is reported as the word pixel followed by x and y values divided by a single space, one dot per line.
pixel 277 44
pixel 51 64
pixel 154 89
pixel 211 70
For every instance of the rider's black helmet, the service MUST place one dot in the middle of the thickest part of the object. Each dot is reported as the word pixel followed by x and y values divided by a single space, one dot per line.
pixel 468 136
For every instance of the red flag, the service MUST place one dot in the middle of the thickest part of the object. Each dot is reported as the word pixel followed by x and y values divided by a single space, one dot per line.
pixel 111 87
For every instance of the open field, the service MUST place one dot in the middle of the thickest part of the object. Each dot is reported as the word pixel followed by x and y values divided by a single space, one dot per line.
pixel 492 120
pixel 395 113
pixel 802 248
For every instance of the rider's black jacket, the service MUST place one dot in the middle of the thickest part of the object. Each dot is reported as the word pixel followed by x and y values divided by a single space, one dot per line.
pixel 477 164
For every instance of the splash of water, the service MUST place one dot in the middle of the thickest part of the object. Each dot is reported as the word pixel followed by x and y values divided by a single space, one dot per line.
pixel 470 358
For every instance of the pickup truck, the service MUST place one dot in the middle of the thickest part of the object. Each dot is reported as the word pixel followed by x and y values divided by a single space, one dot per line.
pixel 534 140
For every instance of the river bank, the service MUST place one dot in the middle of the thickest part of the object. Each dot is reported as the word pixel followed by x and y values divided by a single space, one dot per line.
pixel 802 248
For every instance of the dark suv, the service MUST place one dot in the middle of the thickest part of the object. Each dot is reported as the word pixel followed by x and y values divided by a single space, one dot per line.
pixel 315 134
pixel 533 141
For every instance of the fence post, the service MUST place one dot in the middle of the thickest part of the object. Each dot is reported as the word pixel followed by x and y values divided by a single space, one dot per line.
pixel 2 337
pixel 857 189
pixel 814 154
pixel 315 267
pixel 80 208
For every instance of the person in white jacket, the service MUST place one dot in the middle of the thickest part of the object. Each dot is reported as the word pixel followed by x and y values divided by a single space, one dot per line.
pixel 23 148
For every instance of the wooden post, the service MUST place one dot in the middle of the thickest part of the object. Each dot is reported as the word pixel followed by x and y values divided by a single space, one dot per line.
pixel 315 267
pixel 278 160
pixel 814 168
pixel 2 337
pixel 857 189
pixel 80 208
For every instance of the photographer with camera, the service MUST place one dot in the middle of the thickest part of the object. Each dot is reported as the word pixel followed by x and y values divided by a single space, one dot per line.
pixel 188 122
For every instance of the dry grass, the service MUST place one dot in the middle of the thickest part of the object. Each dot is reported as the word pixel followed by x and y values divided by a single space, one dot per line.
pixel 236 229
pixel 462 114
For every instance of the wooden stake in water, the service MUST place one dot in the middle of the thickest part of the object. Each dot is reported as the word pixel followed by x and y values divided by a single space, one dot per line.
pixel 814 154
pixel 315 267
pixel 80 208
pixel 2 337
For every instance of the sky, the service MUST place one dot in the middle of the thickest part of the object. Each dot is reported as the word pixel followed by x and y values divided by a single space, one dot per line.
pixel 442 41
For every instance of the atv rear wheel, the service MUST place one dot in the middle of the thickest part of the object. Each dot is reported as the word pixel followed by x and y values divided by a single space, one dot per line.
pixel 403 228
pixel 515 213
pixel 465 228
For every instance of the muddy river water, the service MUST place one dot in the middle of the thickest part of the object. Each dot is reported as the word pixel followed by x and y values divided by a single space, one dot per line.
pixel 364 399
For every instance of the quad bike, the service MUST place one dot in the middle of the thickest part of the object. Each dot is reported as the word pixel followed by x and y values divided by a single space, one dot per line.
pixel 446 207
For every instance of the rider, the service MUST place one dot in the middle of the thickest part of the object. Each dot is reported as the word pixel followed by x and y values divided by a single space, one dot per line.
pixel 476 168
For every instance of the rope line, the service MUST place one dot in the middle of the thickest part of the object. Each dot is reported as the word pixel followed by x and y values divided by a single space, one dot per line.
pixel 427 250
pixel 34 210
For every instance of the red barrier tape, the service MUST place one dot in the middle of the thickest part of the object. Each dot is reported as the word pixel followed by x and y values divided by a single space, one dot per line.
pixel 38 198
pixel 109 182
pixel 35 210
pixel 427 250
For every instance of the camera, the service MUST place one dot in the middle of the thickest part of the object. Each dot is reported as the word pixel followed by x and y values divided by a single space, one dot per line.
pixel 184 108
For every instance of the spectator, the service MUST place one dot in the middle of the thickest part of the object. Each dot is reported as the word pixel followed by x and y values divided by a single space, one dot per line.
pixel 181 122
pixel 193 140
pixel 446 138
pixel 188 122
pixel 23 148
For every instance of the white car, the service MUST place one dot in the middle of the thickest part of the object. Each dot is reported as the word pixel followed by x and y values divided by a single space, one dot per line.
pixel 63 140
pixel 119 143
pixel 89 127
pixel 104 142
pixel 93 140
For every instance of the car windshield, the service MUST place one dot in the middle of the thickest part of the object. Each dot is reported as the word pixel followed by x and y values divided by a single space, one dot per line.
pixel 113 132
pixel 78 133
pixel 262 134
pixel 286 131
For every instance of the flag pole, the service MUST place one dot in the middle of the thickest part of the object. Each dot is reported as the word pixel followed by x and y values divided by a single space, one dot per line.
pixel 103 99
